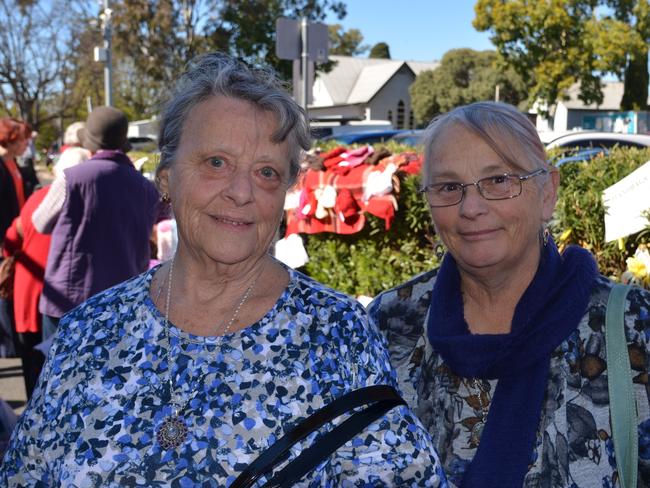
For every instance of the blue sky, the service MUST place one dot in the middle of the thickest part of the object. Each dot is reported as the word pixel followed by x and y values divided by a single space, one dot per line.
pixel 418 30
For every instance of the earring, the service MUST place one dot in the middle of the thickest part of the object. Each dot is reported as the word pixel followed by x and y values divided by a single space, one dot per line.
pixel 165 198
pixel 439 250
pixel 546 235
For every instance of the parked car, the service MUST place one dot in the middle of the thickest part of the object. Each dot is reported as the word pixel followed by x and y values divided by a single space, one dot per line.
pixel 593 139
pixel 143 143
pixel 408 137
pixel 576 155
pixel 363 137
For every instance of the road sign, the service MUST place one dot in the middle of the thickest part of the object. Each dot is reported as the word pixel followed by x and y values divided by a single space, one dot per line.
pixel 288 43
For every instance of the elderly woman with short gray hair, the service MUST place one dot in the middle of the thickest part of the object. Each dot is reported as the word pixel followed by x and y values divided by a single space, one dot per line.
pixel 501 350
pixel 184 375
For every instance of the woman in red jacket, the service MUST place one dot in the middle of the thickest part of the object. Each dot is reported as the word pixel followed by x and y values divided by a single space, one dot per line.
pixel 14 137
pixel 30 248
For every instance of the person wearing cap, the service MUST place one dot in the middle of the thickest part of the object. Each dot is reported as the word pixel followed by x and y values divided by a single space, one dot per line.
pixel 100 214
pixel 71 152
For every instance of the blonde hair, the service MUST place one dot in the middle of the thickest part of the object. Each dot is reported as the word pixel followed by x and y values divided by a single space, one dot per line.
pixel 506 130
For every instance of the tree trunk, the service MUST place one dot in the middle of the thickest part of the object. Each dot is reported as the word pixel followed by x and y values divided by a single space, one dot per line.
pixel 635 96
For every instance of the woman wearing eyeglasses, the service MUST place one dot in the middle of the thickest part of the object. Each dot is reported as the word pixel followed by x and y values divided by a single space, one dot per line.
pixel 501 350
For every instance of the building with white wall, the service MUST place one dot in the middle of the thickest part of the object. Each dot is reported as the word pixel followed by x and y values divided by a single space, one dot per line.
pixel 574 114
pixel 365 90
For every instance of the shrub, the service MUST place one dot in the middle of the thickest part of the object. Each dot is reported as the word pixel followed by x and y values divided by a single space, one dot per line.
pixel 579 215
pixel 373 260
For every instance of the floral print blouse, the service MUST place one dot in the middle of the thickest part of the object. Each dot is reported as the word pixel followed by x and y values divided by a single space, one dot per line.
pixel 574 447
pixel 103 394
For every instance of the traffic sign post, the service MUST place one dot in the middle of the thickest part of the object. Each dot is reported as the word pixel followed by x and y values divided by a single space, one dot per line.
pixel 305 43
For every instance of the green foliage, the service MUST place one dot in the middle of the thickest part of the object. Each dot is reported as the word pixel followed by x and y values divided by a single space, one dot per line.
pixel 464 76
pixel 345 43
pixel 375 259
pixel 553 45
pixel 579 215
pixel 154 39
pixel 380 51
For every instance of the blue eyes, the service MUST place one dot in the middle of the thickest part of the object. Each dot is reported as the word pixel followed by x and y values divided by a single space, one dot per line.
pixel 217 162
pixel 268 172
pixel 265 172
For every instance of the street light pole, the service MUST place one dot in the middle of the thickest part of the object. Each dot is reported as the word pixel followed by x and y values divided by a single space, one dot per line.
pixel 304 60
pixel 108 68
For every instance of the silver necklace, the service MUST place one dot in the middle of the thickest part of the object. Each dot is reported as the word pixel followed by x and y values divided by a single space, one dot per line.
pixel 173 430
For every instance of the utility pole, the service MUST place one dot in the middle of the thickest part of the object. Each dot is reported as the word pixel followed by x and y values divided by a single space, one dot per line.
pixel 103 54
pixel 304 58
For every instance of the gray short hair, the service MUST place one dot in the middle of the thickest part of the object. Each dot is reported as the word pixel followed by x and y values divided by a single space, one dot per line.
pixel 217 74
pixel 506 130
pixel 71 136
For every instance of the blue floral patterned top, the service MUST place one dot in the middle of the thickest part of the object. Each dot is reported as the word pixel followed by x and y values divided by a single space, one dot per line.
pixel 574 446
pixel 103 394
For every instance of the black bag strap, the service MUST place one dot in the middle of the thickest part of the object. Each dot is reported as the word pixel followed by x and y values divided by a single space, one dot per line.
pixel 381 398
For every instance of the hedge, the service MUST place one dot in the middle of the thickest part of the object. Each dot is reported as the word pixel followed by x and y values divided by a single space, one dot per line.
pixel 374 260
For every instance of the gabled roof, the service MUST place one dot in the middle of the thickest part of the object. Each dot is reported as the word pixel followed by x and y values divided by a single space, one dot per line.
pixel 420 66
pixel 357 80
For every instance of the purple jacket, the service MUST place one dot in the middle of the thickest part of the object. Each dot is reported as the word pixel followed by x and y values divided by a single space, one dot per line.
pixel 101 237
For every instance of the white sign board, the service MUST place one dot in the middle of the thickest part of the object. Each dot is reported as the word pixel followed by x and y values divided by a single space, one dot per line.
pixel 625 203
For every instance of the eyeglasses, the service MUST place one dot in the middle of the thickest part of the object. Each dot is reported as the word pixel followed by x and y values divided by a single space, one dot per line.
pixel 498 187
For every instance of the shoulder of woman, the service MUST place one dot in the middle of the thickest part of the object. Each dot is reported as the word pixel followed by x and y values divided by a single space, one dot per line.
pixel 108 305
pixel 636 297
pixel 412 293
pixel 318 295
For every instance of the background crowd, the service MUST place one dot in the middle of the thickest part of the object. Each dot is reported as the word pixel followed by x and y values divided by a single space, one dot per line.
pixel 65 241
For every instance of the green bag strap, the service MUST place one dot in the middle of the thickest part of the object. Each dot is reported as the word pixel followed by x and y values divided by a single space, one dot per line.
pixel 622 401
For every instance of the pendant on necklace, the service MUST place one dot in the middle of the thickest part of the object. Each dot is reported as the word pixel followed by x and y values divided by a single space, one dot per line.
pixel 172 432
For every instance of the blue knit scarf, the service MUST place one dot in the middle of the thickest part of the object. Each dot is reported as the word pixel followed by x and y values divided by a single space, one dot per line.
pixel 547 313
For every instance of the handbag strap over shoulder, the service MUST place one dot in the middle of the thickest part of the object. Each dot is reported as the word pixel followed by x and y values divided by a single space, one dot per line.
pixel 622 402
pixel 377 400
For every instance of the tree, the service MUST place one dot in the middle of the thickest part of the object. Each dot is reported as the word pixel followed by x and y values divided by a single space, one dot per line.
pixel 345 43
pixel 35 39
pixel 464 76
pixel 380 51
pixel 553 45
pixel 154 39
pixel 636 14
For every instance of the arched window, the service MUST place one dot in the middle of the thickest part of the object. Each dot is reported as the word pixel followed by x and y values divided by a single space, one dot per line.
pixel 400 115
pixel 411 120
pixel 390 116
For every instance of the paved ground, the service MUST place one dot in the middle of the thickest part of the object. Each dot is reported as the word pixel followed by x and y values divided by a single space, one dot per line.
pixel 12 388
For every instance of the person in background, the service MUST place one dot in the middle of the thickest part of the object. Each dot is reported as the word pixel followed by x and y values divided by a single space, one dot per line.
pixel 72 153
pixel 14 137
pixel 100 214
pixel 26 164
pixel 30 249
pixel 501 350
pixel 185 374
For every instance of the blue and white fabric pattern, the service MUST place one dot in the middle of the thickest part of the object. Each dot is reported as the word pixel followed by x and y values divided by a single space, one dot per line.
pixel 103 393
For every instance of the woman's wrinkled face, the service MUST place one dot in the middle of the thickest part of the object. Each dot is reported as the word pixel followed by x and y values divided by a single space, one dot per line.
pixel 228 182
pixel 480 233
